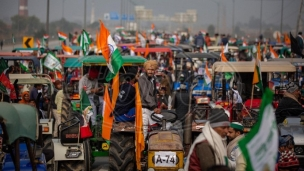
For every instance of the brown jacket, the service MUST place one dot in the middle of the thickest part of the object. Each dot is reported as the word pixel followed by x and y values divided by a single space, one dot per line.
pixel 202 157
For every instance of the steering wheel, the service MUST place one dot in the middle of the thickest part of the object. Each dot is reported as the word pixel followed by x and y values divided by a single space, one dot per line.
pixel 168 115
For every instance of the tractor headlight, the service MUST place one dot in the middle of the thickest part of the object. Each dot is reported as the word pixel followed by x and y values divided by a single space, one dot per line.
pixel 202 100
pixel 299 150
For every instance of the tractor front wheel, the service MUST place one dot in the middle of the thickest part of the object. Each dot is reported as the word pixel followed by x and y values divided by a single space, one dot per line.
pixel 122 152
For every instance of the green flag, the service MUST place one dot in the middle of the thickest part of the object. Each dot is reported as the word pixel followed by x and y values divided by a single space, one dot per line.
pixel 260 145
pixel 13 39
pixel 84 41
pixel 52 62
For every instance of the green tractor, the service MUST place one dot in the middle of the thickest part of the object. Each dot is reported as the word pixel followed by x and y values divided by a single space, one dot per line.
pixel 99 146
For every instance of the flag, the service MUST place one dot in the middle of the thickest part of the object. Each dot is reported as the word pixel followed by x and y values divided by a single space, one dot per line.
pixel 205 48
pixel 24 65
pixel 152 26
pixel 84 41
pixel 223 57
pixel 13 39
pixel 273 53
pixel 142 40
pixel 136 38
pixel 278 38
pixel 260 145
pixel 110 52
pixel 226 50
pixel 281 53
pixel 207 75
pixel 66 49
pixel 139 136
pixel 295 46
pixel 52 62
pixel 98 46
pixel 115 89
pixel 46 36
pixel 146 50
pixel 257 76
pixel 286 39
pixel 107 115
pixel 132 49
pixel 62 36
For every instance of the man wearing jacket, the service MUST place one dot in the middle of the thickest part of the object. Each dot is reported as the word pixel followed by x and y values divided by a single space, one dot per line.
pixel 235 133
pixel 209 147
pixel 289 104
pixel 147 88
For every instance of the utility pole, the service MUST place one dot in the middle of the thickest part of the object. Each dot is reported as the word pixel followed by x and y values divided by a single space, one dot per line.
pixel 299 22
pixel 281 26
pixel 85 15
pixel 218 18
pixel 261 11
pixel 233 3
pixel 121 6
pixel 47 19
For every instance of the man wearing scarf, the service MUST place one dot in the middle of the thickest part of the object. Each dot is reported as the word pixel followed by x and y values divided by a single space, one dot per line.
pixel 289 104
pixel 235 134
pixel 147 88
pixel 209 148
pixel 89 84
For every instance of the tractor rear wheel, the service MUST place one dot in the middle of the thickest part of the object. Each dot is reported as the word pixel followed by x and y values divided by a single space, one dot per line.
pixel 122 152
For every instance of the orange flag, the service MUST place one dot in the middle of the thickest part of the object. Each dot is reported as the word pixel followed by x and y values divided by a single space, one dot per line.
pixel 67 50
pixel 97 42
pixel 278 38
pixel 103 38
pixel 286 39
pixel 147 50
pixel 139 136
pixel 115 88
pixel 223 57
pixel 107 115
pixel 136 38
pixel 152 26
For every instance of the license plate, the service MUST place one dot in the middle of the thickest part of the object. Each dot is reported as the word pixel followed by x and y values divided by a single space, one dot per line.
pixel 165 159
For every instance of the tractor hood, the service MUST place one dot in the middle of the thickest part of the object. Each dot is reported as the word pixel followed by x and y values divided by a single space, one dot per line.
pixel 294 128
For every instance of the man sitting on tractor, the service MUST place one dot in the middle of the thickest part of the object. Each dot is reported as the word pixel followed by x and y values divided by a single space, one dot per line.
pixel 125 104
pixel 237 102
pixel 147 86
pixel 289 104
pixel 89 84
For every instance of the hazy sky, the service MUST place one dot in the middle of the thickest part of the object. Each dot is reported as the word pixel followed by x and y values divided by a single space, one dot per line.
pixel 207 10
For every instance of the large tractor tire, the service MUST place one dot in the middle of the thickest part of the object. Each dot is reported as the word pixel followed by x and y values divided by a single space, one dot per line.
pixel 122 152
pixel 65 110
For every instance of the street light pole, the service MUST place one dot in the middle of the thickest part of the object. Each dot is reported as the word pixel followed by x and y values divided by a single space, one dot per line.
pixel 233 3
pixel 47 20
pixel 62 9
pixel 261 11
pixel 85 15
pixel 281 27
pixel 218 17
pixel 121 6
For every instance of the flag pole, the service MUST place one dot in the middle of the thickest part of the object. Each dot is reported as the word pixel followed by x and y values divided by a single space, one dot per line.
pixel 251 96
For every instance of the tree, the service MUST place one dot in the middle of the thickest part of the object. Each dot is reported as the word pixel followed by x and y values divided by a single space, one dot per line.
pixel 211 30
pixel 3 28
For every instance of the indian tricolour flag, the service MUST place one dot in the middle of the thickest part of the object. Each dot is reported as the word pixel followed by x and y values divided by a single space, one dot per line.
pixel 67 50
pixel 62 36
pixel 46 36
pixel 260 145
pixel 273 53
pixel 110 52
pixel 257 76
pixel 207 75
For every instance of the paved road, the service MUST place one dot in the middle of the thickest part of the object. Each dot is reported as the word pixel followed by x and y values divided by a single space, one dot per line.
pixel 101 164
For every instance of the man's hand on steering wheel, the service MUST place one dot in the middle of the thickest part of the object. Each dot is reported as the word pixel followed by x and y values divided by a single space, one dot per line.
pixel 157 110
